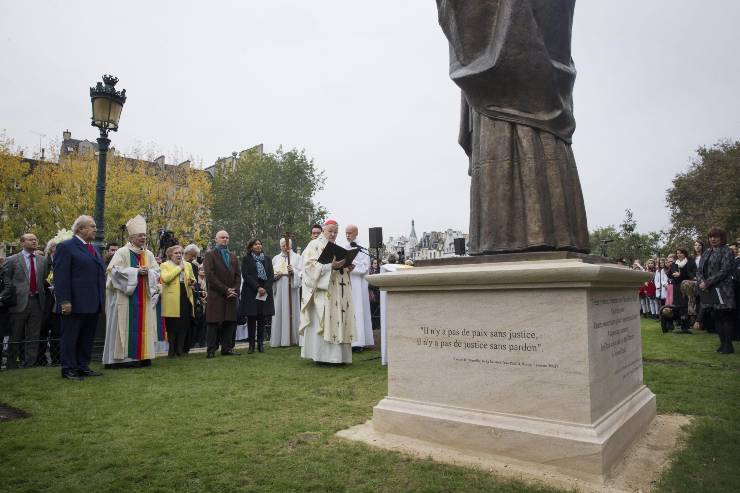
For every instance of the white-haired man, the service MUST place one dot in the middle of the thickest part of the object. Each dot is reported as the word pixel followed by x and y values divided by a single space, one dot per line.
pixel 327 316
pixel 79 286
pixel 288 267
pixel 132 326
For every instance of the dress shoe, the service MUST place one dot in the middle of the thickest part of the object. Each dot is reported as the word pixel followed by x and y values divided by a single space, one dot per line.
pixel 72 375
pixel 230 353
pixel 727 350
pixel 260 347
pixel 90 373
pixel 210 355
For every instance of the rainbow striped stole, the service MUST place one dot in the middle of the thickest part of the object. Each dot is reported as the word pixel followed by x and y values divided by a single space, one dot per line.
pixel 137 311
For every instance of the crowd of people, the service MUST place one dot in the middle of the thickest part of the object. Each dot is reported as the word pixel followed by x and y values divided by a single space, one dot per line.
pixel 699 291
pixel 53 301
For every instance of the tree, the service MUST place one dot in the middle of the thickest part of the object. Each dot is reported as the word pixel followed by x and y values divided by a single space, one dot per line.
pixel 625 242
pixel 43 197
pixel 263 195
pixel 13 170
pixel 707 194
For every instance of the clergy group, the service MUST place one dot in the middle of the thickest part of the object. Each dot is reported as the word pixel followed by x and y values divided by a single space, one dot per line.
pixel 149 304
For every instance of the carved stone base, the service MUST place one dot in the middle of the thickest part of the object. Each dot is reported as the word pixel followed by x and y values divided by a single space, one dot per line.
pixel 538 361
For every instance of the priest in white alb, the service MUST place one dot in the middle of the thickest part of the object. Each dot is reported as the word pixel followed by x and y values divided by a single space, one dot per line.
pixel 327 315
pixel 360 290
pixel 288 267
pixel 132 292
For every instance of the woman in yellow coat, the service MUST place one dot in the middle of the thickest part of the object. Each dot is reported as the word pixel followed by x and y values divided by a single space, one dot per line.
pixel 177 299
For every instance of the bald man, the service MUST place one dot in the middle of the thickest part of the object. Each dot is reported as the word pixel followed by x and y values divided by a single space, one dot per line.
pixel 223 279
pixel 25 272
pixel 360 290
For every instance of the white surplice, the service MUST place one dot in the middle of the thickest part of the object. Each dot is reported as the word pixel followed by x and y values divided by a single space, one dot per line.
pixel 361 298
pixel 121 283
pixel 283 333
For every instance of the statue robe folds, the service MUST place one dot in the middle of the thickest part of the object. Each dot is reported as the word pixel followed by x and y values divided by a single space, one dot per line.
pixel 132 325
pixel 283 334
pixel 327 315
pixel 511 58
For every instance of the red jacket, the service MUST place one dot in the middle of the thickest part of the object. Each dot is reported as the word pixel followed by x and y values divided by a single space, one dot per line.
pixel 650 289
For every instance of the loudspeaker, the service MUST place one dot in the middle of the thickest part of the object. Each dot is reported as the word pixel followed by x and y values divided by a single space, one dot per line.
pixel 459 246
pixel 376 238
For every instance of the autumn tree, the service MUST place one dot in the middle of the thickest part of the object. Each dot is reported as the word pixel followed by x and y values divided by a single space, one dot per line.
pixel 263 195
pixel 707 194
pixel 43 197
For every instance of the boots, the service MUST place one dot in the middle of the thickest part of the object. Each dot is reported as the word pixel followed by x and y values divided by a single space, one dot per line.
pixel 260 335
pixel 250 332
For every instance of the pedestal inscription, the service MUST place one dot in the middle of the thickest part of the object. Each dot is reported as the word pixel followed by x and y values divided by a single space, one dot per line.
pixel 492 350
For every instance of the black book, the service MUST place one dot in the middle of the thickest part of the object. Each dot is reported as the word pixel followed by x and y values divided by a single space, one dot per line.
pixel 332 251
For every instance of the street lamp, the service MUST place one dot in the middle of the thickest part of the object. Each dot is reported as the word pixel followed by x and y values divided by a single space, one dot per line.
pixel 107 104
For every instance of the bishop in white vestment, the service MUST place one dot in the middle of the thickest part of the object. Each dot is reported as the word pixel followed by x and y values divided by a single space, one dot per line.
pixel 360 290
pixel 132 292
pixel 288 267
pixel 327 315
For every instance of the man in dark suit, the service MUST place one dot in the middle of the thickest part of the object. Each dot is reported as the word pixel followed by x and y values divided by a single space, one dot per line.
pixel 79 285
pixel 26 272
pixel 222 282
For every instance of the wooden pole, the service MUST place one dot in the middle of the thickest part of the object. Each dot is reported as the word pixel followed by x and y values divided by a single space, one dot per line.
pixel 290 290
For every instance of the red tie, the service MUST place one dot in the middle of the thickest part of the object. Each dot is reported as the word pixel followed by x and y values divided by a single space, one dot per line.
pixel 33 287
pixel 90 249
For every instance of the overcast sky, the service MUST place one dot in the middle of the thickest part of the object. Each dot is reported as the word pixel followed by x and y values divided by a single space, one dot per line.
pixel 363 87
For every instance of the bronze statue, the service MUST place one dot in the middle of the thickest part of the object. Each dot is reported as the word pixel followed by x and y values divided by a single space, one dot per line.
pixel 511 58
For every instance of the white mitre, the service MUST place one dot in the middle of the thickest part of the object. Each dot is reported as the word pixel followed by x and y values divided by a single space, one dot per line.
pixel 136 225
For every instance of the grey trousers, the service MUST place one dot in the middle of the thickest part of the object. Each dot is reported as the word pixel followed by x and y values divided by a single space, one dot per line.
pixel 25 326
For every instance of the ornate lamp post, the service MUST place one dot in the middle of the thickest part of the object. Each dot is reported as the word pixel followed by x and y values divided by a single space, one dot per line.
pixel 107 104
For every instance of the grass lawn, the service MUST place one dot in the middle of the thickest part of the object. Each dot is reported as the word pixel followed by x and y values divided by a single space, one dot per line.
pixel 266 423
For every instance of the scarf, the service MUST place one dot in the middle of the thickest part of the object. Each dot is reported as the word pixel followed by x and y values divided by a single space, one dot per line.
pixel 681 263
pixel 259 261
pixel 224 251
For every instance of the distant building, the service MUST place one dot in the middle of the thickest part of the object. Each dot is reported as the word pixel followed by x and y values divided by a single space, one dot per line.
pixel 433 244
pixel 72 146
pixel 231 160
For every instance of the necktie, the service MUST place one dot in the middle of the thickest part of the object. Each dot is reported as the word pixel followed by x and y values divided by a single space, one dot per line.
pixel 353 244
pixel 33 288
pixel 90 249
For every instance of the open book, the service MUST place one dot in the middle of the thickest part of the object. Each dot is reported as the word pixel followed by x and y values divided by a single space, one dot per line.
pixel 333 251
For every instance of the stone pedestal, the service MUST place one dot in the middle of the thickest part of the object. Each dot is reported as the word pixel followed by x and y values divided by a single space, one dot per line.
pixel 536 361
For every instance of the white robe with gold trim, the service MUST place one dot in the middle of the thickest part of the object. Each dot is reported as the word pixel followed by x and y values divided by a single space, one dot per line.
pixel 327 315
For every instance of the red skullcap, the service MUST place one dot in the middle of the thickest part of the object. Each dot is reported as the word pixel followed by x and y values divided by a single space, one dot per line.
pixel 330 221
